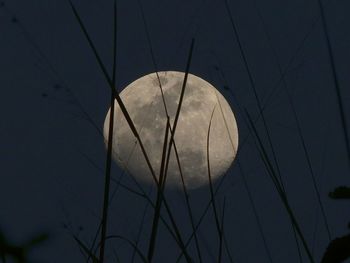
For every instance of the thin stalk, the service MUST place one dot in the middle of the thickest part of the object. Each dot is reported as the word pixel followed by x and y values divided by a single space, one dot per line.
pixel 252 84
pixel 179 106
pixel 129 242
pixel 110 145
pixel 216 216
pixel 139 232
pixel 162 181
pixel 266 128
pixel 188 206
pixel 250 196
pixel 244 179
pixel 148 36
pixel 130 123
pixel 117 97
pixel 222 230
pixel 296 118
pixel 116 256
pixel 205 211
pixel 279 188
pixel 154 231
pixel 340 104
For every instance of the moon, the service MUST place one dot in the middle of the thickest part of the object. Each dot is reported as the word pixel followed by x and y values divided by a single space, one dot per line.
pixel 203 106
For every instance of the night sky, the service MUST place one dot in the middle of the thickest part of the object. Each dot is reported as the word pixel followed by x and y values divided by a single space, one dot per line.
pixel 54 100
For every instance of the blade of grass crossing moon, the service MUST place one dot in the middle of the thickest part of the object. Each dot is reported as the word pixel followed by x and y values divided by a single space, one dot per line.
pixel 244 178
pixel 212 194
pixel 129 121
pixel 154 230
pixel 167 114
pixel 110 144
pixel 179 105
pixel 245 182
pixel 163 182
pixel 213 203
pixel 148 36
pixel 188 205
pixel 117 97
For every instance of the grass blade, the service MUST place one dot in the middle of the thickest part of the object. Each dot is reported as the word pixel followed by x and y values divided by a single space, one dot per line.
pixel 117 97
pixel 110 145
pixel 161 185
pixel 154 231
pixel 296 118
pixel 86 250
pixel 279 180
pixel 167 114
pixel 279 188
pixel 344 122
pixel 138 251
pixel 129 121
pixel 213 203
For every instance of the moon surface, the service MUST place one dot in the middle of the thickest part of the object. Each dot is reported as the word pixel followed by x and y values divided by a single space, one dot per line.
pixel 202 106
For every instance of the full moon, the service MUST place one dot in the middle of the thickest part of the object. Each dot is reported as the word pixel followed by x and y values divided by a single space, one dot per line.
pixel 203 108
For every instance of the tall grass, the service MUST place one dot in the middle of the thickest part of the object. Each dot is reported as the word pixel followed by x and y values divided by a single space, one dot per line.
pixel 297 122
pixel 269 159
pixel 267 154
pixel 137 136
pixel 340 103
pixel 109 144
pixel 275 165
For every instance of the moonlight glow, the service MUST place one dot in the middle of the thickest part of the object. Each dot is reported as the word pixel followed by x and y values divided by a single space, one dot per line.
pixel 145 105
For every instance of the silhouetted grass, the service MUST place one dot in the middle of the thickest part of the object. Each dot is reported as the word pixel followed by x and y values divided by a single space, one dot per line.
pixel 172 141
pixel 297 122
pixel 279 188
pixel 271 166
pixel 259 104
pixel 130 122
pixel 338 91
pixel 153 236
pixel 216 216
pixel 109 143
pixel 166 156
pixel 139 232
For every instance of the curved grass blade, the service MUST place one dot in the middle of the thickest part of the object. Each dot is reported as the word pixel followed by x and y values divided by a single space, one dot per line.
pixel 296 118
pixel 154 230
pixel 129 121
pixel 340 101
pixel 167 114
pixel 279 188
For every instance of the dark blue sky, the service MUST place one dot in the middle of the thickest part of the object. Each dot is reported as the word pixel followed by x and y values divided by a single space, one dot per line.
pixel 51 154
